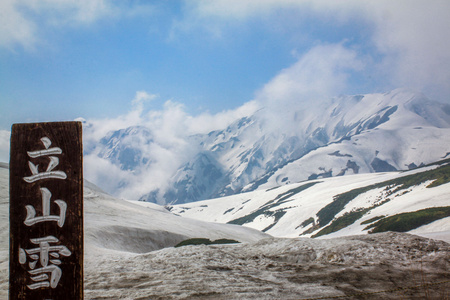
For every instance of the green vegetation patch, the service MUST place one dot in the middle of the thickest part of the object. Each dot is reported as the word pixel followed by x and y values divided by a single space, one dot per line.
pixel 440 175
pixel 266 208
pixel 249 218
pixel 306 222
pixel 310 230
pixel 348 218
pixel 203 241
pixel 328 212
pixel 294 191
pixel 345 220
pixel 228 210
pixel 277 215
pixel 408 221
pixel 372 220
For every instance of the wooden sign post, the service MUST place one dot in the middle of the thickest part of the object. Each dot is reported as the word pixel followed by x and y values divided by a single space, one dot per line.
pixel 46 211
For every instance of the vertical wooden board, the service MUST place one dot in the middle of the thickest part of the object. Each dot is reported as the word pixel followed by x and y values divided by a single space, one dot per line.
pixel 46 243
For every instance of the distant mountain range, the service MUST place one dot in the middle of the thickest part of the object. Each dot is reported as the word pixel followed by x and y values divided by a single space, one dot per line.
pixel 399 130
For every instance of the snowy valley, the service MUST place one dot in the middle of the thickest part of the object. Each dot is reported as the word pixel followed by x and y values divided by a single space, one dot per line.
pixel 130 254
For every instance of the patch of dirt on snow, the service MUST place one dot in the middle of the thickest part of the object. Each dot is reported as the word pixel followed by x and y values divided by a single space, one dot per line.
pixel 360 267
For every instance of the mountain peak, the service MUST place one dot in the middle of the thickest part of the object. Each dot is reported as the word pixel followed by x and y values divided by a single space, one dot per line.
pixel 369 133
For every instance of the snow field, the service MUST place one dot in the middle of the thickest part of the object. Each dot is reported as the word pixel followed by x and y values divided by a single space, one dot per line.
pixel 308 202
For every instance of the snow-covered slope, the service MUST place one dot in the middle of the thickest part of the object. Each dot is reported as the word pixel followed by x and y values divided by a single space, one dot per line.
pixel 345 135
pixel 337 206
pixel 122 225
pixel 126 226
pixel 118 232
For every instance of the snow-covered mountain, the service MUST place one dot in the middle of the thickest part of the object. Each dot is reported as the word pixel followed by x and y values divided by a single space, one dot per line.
pixel 127 147
pixel 345 135
pixel 415 201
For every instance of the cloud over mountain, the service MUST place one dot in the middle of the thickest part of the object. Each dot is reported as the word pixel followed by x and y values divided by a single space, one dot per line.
pixel 161 136
pixel 407 41
pixel 170 156
pixel 320 74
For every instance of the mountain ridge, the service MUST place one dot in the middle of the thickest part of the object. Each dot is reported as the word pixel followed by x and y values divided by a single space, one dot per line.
pixel 344 135
pixel 339 206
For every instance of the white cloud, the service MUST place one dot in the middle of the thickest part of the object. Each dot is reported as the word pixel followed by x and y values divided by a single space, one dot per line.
pixel 206 122
pixel 14 27
pixel 103 172
pixel 61 12
pixel 166 148
pixel 317 76
pixel 241 10
pixel 24 22
pixel 321 72
pixel 140 99
pixel 412 37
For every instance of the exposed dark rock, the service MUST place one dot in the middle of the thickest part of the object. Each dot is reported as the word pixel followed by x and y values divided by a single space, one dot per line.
pixel 379 165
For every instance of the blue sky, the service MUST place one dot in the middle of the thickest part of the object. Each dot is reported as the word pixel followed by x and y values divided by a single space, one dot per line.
pixel 64 59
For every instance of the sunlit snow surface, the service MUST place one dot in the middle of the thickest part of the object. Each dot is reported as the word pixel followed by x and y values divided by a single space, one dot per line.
pixel 302 205
pixel 121 261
